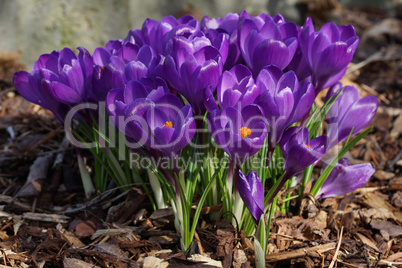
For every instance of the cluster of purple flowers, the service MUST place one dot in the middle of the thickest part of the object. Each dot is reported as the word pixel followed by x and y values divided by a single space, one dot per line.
pixel 255 76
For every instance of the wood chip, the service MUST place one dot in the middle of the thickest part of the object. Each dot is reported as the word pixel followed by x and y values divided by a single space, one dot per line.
pixel 383 175
pixel 36 177
pixel 165 240
pixel 77 263
pixel 45 217
pixel 112 249
pixel 206 260
pixel 153 262
pixel 70 237
pixel 112 232
pixel 162 213
pixel 396 184
pixel 374 201
pixel 369 215
pixel 366 241
pixel 387 229
pixel 395 257
pixel 299 253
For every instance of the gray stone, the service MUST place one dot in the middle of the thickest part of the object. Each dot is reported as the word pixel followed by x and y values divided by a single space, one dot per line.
pixel 34 27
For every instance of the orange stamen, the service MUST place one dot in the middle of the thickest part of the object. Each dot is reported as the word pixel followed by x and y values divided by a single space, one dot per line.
pixel 307 145
pixel 102 67
pixel 245 131
pixel 168 124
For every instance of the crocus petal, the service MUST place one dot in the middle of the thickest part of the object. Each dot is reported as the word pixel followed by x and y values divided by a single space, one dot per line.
pixel 172 73
pixel 209 100
pixel 128 52
pixel 304 98
pixel 163 137
pixel 114 95
pixel 299 152
pixel 134 90
pixel 270 52
pixel 74 77
pixel 135 70
pixel 345 178
pixel 246 29
pixel 62 92
pixel 208 75
pixel 333 59
pixel 65 57
pixel 23 86
pixel 235 120
pixel 345 100
pixel 156 118
pixel 358 116
pixel 252 194
pixel 187 131
pixel 46 61
pixel 101 56
pixel 170 105
pixel 145 55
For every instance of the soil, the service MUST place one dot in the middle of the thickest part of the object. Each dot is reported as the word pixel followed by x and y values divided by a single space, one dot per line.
pixel 46 220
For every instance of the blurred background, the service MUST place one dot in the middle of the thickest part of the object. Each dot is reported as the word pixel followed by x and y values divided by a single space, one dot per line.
pixel 29 28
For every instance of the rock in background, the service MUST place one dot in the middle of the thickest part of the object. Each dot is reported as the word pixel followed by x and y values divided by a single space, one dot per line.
pixel 34 27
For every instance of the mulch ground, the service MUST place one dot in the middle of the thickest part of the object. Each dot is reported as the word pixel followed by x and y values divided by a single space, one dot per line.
pixel 46 221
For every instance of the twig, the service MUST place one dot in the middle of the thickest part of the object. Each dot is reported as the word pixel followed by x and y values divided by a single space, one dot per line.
pixel 369 189
pixel 349 265
pixel 35 154
pixel 337 249
pixel 7 199
pixel 375 93
pixel 95 201
pixel 378 56
pixel 45 217
pixel 299 253
pixel 49 136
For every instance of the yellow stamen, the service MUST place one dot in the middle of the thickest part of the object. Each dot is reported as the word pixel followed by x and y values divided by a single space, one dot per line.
pixel 307 145
pixel 245 131
pixel 168 124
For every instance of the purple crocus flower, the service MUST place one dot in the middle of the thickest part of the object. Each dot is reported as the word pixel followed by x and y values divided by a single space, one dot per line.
pixel 345 178
pixel 283 100
pixel 239 132
pixel 171 124
pixel 116 65
pixel 328 52
pixel 214 28
pixel 193 69
pixel 145 89
pixel 236 88
pixel 299 151
pixel 157 34
pixel 70 79
pixel 299 63
pixel 252 193
pixel 57 81
pixel 29 85
pixel 152 117
pixel 266 40
pixel 348 112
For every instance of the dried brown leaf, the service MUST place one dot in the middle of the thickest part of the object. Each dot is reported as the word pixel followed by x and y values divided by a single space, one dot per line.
pixel 37 175
pixel 77 263
pixel 387 229
pixel 369 215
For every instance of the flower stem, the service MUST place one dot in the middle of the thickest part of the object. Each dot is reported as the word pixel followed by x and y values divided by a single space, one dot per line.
pixel 238 202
